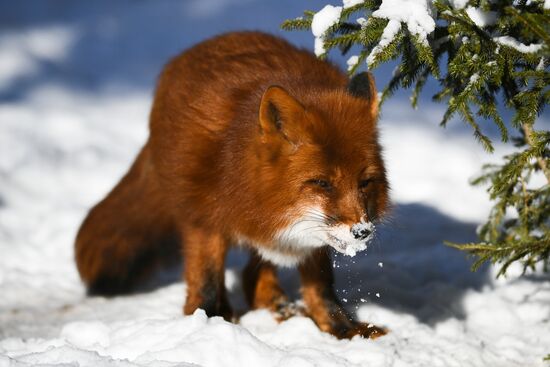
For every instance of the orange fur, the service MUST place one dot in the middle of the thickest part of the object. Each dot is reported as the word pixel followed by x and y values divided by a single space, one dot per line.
pixel 246 133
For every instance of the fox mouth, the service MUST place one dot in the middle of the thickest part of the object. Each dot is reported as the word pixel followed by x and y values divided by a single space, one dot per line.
pixel 344 247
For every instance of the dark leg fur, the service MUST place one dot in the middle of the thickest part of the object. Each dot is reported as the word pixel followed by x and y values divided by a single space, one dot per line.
pixel 323 305
pixel 261 286
pixel 204 258
pixel 127 235
pixel 262 289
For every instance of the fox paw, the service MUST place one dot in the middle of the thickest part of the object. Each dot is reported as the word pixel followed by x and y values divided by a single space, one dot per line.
pixel 366 330
pixel 285 310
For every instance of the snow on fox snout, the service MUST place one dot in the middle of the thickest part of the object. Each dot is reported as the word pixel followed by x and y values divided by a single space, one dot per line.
pixel 314 230
pixel 350 240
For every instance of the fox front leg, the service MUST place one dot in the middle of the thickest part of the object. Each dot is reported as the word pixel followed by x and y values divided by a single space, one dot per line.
pixel 204 267
pixel 323 305
pixel 260 284
pixel 262 289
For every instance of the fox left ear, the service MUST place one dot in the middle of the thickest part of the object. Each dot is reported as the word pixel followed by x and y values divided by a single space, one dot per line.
pixel 362 85
pixel 280 115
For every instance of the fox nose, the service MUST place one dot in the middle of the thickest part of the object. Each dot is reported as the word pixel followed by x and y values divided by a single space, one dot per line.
pixel 360 232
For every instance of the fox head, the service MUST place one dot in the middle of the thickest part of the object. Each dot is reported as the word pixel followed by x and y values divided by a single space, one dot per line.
pixel 319 154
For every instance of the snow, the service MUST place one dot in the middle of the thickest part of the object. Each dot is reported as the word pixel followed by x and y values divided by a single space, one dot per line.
pixel 473 80
pixel 47 45
pixel 390 31
pixel 361 21
pixel 514 43
pixel 352 61
pixel 350 3
pixel 319 46
pixel 416 14
pixel 71 124
pixel 481 18
pixel 458 4
pixel 324 19
pixel 321 22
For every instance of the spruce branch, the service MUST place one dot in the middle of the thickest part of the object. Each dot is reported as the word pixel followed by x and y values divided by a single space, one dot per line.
pixel 507 253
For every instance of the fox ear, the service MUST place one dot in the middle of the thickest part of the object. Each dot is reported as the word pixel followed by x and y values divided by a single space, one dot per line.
pixel 362 86
pixel 280 114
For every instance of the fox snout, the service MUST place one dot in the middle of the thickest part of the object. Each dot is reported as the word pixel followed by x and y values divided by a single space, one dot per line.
pixel 361 231
pixel 316 229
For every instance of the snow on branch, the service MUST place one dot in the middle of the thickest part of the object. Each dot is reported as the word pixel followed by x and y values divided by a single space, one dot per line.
pixel 515 44
pixel 321 23
pixel 416 14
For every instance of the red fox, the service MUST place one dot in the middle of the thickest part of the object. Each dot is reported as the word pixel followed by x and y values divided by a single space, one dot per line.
pixel 252 142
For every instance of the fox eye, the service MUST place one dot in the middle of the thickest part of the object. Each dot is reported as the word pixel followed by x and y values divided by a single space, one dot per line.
pixel 363 184
pixel 321 183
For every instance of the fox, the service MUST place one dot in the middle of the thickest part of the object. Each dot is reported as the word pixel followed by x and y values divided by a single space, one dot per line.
pixel 255 143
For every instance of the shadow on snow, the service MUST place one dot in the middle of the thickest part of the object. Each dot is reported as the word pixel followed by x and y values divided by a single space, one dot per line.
pixel 408 266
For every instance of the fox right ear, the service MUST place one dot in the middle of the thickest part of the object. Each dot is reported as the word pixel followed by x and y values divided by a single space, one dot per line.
pixel 362 86
pixel 279 114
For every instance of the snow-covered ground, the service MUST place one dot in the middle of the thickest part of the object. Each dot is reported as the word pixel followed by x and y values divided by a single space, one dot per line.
pixel 75 89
